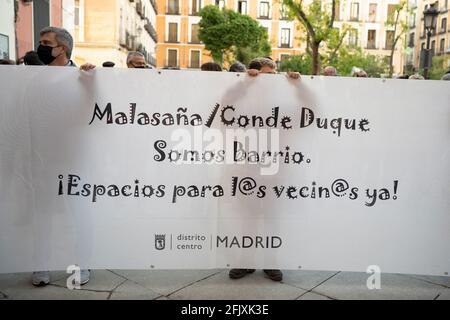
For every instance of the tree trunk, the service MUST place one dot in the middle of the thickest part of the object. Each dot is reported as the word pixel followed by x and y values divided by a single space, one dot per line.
pixel 391 62
pixel 315 58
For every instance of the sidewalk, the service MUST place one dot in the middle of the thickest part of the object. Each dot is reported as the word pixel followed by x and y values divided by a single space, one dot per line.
pixel 215 284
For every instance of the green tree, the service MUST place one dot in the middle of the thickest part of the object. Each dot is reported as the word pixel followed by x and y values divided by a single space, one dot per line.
pixel 228 34
pixel 317 20
pixel 397 20
pixel 299 63
pixel 374 65
pixel 438 67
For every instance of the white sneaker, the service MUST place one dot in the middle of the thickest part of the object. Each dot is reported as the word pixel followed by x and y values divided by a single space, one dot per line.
pixel 84 276
pixel 40 278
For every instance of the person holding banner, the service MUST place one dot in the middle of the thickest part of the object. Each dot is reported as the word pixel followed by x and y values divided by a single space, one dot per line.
pixel 266 65
pixel 55 49
pixel 255 67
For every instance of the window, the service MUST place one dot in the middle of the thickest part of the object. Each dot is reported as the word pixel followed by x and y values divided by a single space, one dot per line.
pixel 337 11
pixel 284 57
pixel 195 6
pixel 220 3
pixel 41 18
pixel 354 11
pixel 172 58
pixel 195 59
pixel 371 39
pixel 264 10
pixel 442 46
pixel 411 40
pixel 412 20
pixel 391 12
pixel 353 37
pixel 433 46
pixel 4 46
pixel 194 33
pixel 242 7
pixel 444 24
pixel 173 32
pixel 284 12
pixel 76 16
pixel 373 12
pixel 389 40
pixel 173 7
pixel 285 38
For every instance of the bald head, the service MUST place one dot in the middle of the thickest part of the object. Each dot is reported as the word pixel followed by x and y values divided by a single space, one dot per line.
pixel 330 71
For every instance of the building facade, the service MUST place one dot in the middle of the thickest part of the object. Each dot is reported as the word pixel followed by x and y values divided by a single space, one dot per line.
pixel 7 32
pixel 32 16
pixel 417 38
pixel 179 46
pixel 177 26
pixel 368 18
pixel 106 30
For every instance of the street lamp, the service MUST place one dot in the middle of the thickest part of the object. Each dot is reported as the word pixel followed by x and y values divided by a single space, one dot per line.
pixel 429 17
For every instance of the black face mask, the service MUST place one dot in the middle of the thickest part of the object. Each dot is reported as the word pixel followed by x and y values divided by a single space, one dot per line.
pixel 45 54
pixel 138 67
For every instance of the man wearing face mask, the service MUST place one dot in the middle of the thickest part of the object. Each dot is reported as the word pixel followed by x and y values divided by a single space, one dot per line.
pixel 55 49
pixel 136 60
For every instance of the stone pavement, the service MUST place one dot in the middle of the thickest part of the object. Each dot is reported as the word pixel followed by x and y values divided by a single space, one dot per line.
pixel 215 284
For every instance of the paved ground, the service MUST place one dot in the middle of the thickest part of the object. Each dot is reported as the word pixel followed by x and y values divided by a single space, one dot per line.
pixel 215 284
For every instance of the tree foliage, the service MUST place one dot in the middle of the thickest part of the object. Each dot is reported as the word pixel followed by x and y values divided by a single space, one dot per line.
pixel 228 34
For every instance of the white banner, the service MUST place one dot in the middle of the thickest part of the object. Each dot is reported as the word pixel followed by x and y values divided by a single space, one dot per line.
pixel 139 169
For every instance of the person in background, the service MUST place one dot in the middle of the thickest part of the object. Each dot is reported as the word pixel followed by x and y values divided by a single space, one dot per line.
pixel 358 73
pixel 446 76
pixel 31 58
pixel 7 62
pixel 329 71
pixel 266 65
pixel 255 64
pixel 136 60
pixel 108 64
pixel 237 67
pixel 211 66
pixel 416 76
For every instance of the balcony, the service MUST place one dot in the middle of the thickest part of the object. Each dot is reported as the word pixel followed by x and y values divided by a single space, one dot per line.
pixel 151 30
pixel 151 60
pixel 172 64
pixel 154 5
pixel 140 9
pixel 371 45
pixel 285 45
pixel 172 39
pixel 173 9
pixel 130 42
pixel 195 41
pixel 194 65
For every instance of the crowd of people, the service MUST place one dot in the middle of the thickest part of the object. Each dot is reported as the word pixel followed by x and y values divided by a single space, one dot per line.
pixel 55 49
pixel 55 41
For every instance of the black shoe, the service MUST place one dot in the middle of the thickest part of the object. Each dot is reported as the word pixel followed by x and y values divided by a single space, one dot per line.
pixel 239 273
pixel 275 275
